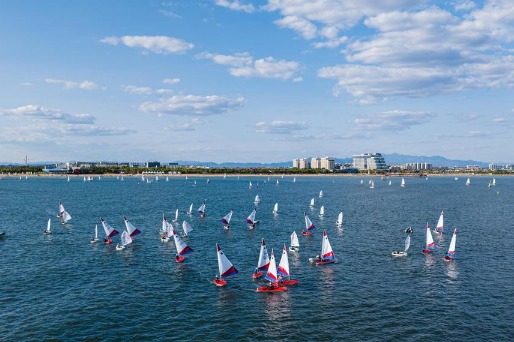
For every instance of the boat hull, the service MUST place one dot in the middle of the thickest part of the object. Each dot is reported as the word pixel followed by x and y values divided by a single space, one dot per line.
pixel 273 289
pixel 448 259
pixel 289 282
pixel 179 258
pixel 321 262
pixel 294 249
pixel 257 275
pixel 219 282
pixel 398 254
pixel 426 251
pixel 306 233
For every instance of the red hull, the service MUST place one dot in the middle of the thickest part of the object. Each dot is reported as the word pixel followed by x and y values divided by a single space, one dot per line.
pixel 257 275
pixel 306 233
pixel 219 282
pixel 179 259
pixel 426 251
pixel 274 289
pixel 447 259
pixel 289 282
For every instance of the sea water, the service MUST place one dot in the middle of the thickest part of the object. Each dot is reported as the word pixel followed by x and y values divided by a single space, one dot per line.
pixel 62 287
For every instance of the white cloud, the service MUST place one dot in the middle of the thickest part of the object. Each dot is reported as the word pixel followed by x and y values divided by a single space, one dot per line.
pixel 93 130
pixel 171 80
pixel 193 105
pixel 137 90
pixel 186 126
pixel 38 112
pixel 86 85
pixel 236 5
pixel 392 120
pixel 243 65
pixel 298 24
pixel 280 127
pixel 464 5
pixel 155 44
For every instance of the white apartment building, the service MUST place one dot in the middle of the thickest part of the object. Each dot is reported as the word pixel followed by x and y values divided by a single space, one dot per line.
pixel 369 161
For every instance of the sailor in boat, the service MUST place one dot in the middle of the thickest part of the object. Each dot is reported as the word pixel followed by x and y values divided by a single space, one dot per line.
pixel 408 230
pixel 252 225
pixel 108 240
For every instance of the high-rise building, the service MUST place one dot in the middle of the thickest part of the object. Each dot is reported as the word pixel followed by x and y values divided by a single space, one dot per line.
pixel 316 163
pixel 328 163
pixel 369 161
pixel 305 163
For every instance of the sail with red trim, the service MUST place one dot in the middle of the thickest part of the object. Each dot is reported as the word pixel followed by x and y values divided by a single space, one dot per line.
pixel 440 223
pixel 283 266
pixel 263 263
pixel 226 268
pixel 182 247
pixel 251 218
pixel 226 218
pixel 271 275
pixel 430 245
pixel 131 229
pixel 109 231
pixel 326 249
pixel 308 223
pixel 451 250
pixel 63 214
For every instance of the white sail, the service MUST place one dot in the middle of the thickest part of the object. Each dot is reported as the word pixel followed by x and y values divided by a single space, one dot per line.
pixel 201 210
pixel 312 202
pixel 322 211
pixel 257 199
pixel 125 238
pixel 163 228
pixel 190 211
pixel 294 180
pixel 468 181
pixel 63 214
pixel 187 228
pixel 96 232
pixel 320 193
pixel 176 216
pixel 275 208
pixel 109 231
pixel 308 223
pixel 250 185
pixel 440 223
pixel 226 219
pixel 131 229
pixel 451 249
pixel 494 182
pixel 339 221
pixel 390 183
pixel 251 218
pixel 263 257
pixel 180 245
pixel 283 266
pixel 225 267
pixel 403 183
pixel 169 229
pixel 48 225
pixel 326 249
pixel 407 243
pixel 271 275
pixel 430 240
pixel 294 240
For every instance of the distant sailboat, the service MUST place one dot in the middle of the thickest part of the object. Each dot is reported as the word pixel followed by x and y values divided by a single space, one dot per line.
pixel 321 194
pixel 48 225
pixel 275 209
pixel 339 221
pixel 181 246
pixel 257 199
pixel 468 181
pixel 308 225
pixel 131 229
pixel 176 216
pixel 440 224
pixel 322 211
pixel 63 215
pixel 294 180
pixel 311 204
pixel 450 256
pixel 251 219
pixel 390 182
pixel 226 219
pixel 327 254
pixel 124 241
pixel 295 244
pixel 166 229
pixel 186 227
pixel 225 267
pixel 403 183
pixel 430 245
pixel 201 210
pixel 283 270
pixel 404 252
pixel 250 185
pixel 94 239
pixel 372 184
pixel 263 262
pixel 190 211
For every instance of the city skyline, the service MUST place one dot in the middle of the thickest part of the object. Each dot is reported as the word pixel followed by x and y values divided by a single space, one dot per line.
pixel 256 81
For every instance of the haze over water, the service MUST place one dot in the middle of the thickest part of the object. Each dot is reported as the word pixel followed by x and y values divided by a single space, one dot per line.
pixel 63 287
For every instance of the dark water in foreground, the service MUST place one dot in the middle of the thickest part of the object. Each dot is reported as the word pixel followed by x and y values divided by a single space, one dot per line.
pixel 62 287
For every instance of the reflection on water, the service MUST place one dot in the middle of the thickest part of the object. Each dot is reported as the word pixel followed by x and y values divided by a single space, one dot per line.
pixel 451 270
pixel 278 305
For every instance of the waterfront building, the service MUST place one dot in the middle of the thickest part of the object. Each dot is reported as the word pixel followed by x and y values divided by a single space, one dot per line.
pixel 369 161
pixel 328 163
pixel 305 163
pixel 316 163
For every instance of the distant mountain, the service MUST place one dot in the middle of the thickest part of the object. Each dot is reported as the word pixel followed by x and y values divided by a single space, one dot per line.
pixel 396 158
pixel 235 164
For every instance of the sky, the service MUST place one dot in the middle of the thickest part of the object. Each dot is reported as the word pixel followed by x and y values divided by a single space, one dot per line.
pixel 255 81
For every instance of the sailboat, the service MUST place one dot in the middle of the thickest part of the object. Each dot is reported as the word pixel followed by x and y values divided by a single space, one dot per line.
pixel 404 252
pixel 257 199
pixel 277 183
pixel 327 254
pixel 63 215
pixel 164 229
pixel 225 267
pixel 272 276
pixel 275 209
pixel 322 211
pixel 403 183
pixel 283 270
pixel 339 221
pixel 450 256
pixel 201 210
pixel 226 219
pixel 320 193
pixel 94 239
pixel 109 231
pixel 430 246
pixel 263 263
pixel 181 246
pixel 68 178
pixel 190 211
pixel 294 180
pixel 186 227
pixel 295 244
pixel 311 204
pixel 440 224
pixel 468 181
pixel 47 230
pixel 131 229
pixel 308 225
pixel 251 219
pixel 125 240
pixel 390 182
pixel 372 184
pixel 176 216
pixel 250 185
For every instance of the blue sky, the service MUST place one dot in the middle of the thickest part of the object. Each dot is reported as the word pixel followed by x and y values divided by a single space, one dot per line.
pixel 255 81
